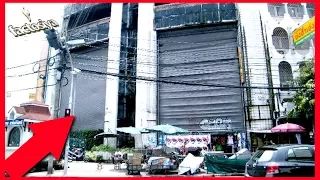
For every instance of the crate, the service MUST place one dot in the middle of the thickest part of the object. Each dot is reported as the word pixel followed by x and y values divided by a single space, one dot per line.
pixel 136 161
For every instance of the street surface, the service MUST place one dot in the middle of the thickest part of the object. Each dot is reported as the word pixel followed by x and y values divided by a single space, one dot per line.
pixel 81 169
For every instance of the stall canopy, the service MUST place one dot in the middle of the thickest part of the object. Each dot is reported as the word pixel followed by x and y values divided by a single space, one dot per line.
pixel 287 127
pixel 167 129
pixel 132 130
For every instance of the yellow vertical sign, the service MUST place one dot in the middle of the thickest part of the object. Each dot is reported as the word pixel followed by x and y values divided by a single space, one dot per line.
pixel 241 65
pixel 32 96
pixel 304 32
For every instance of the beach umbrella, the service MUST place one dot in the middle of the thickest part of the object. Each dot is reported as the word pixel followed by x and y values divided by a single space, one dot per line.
pixel 287 127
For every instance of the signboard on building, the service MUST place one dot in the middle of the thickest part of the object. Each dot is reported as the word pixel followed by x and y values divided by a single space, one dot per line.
pixel 304 32
pixel 14 122
pixel 32 96
pixel 216 124
pixel 190 140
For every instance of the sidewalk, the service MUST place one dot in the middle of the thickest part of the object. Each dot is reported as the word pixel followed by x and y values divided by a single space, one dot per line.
pixel 81 169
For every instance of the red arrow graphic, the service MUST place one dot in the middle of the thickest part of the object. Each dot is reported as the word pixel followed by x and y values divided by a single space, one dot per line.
pixel 48 136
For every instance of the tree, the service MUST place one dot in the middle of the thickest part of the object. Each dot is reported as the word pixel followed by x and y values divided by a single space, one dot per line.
pixel 304 98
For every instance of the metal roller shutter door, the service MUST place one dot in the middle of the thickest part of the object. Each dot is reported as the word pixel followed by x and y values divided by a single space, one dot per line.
pixel 202 55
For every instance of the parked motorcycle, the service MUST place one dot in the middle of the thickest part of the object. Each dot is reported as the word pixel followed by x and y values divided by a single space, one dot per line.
pixel 76 154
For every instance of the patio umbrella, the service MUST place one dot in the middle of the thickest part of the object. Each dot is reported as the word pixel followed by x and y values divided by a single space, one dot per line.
pixel 287 127
pixel 132 130
pixel 167 129
pixel 106 135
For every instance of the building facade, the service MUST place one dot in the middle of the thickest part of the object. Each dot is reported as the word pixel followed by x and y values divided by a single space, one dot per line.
pixel 187 65
pixel 272 60
pixel 19 117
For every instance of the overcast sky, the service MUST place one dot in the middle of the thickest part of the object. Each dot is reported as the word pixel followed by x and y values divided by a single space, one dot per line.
pixel 26 49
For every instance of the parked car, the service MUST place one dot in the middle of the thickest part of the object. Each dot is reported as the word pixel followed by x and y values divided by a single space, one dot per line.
pixel 282 161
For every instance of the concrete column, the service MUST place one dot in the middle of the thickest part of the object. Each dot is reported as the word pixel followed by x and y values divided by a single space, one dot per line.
pixel 305 11
pixel 286 8
pixel 146 92
pixel 111 112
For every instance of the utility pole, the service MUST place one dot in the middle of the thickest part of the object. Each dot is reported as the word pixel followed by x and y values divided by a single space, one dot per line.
pixel 55 47
pixel 55 42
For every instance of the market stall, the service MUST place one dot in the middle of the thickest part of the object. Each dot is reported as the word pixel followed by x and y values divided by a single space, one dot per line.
pixel 162 160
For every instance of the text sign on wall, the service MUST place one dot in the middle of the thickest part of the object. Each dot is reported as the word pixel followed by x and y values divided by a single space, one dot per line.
pixel 32 27
pixel 304 32
pixel 32 96
pixel 216 124
pixel 15 122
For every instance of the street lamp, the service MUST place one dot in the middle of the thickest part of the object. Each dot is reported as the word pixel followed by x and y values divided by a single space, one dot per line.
pixel 74 72
pixel 59 43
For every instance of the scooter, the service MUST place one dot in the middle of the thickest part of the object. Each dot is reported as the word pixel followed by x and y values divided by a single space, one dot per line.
pixel 77 154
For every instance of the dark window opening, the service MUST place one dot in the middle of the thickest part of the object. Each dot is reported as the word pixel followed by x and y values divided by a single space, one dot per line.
pixel 90 14
pixel 159 4
pixel 280 40
pixel 14 137
pixel 285 75
pixel 126 98
pixel 276 9
pixel 295 10
pixel 310 9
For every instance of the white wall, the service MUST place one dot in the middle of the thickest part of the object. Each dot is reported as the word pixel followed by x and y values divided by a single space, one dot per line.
pixel 111 113
pixel 146 92
pixel 293 56
pixel 250 20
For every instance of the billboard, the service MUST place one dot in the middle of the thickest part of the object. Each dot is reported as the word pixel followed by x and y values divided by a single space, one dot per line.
pixel 304 32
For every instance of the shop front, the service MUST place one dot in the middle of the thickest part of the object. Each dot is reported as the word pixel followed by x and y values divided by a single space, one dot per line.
pixel 224 142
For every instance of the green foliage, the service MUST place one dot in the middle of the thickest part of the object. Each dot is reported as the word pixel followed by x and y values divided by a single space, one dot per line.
pixel 304 98
pixel 91 156
pixel 88 137
pixel 127 150
pixel 99 158
pixel 103 148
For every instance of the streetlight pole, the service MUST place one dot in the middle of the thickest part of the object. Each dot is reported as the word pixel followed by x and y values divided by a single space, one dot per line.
pixel 70 106
pixel 56 42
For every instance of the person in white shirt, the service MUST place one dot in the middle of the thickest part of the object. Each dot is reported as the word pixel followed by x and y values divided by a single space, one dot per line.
pixel 117 157
pixel 118 154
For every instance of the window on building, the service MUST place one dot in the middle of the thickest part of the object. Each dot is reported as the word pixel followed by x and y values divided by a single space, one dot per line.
pixel 276 9
pixel 310 9
pixel 14 137
pixel 295 10
pixel 11 115
pixel 285 75
pixel 159 4
pixel 280 40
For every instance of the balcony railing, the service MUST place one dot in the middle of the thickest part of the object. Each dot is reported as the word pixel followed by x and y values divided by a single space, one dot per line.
pixel 91 32
pixel 177 15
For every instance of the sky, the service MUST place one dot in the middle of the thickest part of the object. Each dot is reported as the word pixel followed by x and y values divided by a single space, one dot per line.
pixel 26 49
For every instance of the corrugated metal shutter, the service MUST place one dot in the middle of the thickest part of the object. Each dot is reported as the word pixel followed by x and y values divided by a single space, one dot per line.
pixel 202 55
pixel 90 89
